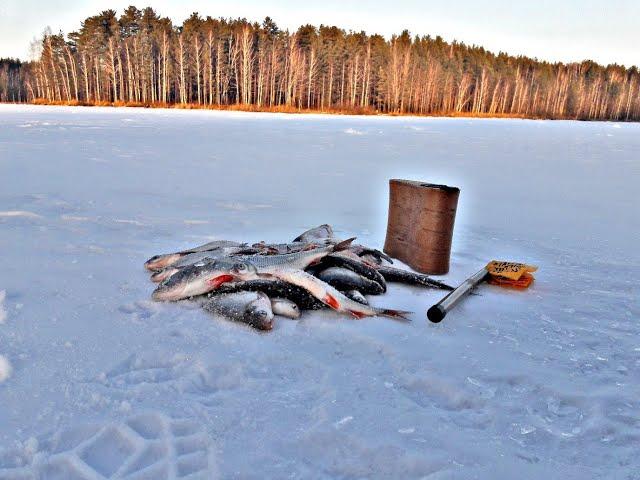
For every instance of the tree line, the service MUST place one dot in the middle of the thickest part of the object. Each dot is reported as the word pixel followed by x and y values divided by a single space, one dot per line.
pixel 142 58
pixel 12 81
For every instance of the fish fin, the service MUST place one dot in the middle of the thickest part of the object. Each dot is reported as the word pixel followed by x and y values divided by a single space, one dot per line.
pixel 219 280
pixel 248 251
pixel 439 285
pixel 374 252
pixel 267 275
pixel 343 245
pixel 387 312
pixel 358 315
pixel 331 301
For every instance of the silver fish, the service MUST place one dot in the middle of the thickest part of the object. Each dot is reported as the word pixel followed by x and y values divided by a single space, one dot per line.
pixel 252 308
pixel 347 259
pixel 357 296
pixel 200 279
pixel 331 296
pixel 197 258
pixel 345 279
pixel 299 260
pixel 321 232
pixel 291 247
pixel 285 308
pixel 393 274
pixel 158 262
pixel 263 263
pixel 324 233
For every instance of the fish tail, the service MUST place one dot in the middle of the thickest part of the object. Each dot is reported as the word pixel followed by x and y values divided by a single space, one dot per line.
pixel 384 256
pixel 388 312
pixel 442 285
pixel 431 283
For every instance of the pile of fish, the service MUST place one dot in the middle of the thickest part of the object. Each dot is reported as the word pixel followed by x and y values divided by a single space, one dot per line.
pixel 252 283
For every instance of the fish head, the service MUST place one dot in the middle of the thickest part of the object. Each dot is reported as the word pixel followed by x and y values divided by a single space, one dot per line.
pixel 321 232
pixel 293 310
pixel 259 313
pixel 294 307
pixel 242 271
pixel 162 275
pixel 194 280
pixel 158 262
pixel 286 308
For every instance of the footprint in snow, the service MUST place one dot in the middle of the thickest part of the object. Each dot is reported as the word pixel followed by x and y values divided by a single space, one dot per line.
pixel 141 310
pixel 148 446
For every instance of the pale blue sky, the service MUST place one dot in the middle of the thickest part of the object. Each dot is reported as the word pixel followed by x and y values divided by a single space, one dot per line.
pixel 567 30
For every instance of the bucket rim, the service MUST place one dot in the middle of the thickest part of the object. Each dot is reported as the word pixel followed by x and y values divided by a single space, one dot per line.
pixel 419 184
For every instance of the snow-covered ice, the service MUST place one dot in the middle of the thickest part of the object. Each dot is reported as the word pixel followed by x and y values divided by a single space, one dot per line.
pixel 106 383
pixel 5 368
pixel 3 312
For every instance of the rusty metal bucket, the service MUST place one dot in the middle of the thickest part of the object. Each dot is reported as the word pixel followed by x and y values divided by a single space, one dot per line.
pixel 420 225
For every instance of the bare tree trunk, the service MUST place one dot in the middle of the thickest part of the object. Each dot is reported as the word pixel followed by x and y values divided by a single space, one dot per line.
pixel 112 61
pixel 182 66
pixel 197 55
pixel 312 67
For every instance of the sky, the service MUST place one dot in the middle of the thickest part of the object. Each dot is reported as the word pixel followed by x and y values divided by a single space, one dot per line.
pixel 558 30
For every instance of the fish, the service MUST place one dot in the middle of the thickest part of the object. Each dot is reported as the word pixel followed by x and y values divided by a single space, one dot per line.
pixel 219 252
pixel 252 308
pixel 199 279
pixel 275 288
pixel 204 277
pixel 285 308
pixel 330 296
pixel 321 232
pixel 160 276
pixel 370 255
pixel 199 258
pixel 158 262
pixel 356 296
pixel 352 262
pixel 291 247
pixel 345 279
pixel 325 233
pixel 393 274
pixel 298 260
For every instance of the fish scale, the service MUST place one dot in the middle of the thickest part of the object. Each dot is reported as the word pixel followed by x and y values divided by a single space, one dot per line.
pixel 293 260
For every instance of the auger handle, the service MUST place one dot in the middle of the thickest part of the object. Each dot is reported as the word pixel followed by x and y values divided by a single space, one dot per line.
pixel 437 312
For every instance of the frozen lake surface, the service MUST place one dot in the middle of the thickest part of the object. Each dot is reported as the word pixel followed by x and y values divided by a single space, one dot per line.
pixel 97 381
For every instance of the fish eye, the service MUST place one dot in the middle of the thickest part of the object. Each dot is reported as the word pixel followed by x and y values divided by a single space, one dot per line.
pixel 240 267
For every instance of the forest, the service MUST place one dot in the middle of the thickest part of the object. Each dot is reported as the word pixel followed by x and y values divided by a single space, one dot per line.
pixel 142 59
